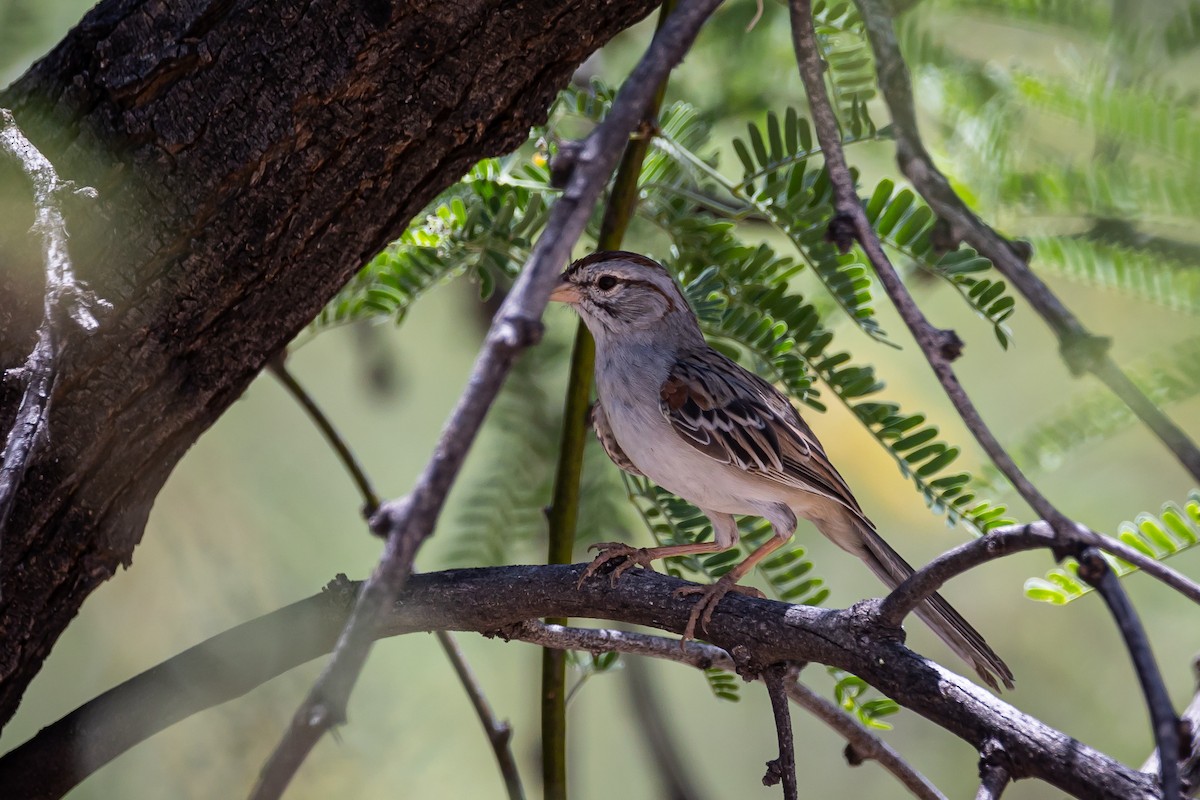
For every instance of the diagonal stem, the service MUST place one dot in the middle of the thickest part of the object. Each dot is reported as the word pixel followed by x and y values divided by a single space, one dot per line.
pixel 499 734
pixel 357 474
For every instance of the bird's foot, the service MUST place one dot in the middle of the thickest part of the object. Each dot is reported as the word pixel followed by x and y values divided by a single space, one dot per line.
pixel 612 551
pixel 710 596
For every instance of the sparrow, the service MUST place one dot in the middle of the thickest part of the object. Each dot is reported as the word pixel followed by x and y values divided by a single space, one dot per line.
pixel 674 410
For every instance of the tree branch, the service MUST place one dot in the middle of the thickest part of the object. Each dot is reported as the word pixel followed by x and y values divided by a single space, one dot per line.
pixel 1096 571
pixel 406 523
pixel 783 768
pixel 993 772
pixel 1011 539
pixel 64 297
pixel 503 600
pixel 923 583
pixel 1082 350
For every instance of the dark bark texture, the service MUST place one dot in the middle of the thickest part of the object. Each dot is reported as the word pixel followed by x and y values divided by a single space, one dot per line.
pixel 249 157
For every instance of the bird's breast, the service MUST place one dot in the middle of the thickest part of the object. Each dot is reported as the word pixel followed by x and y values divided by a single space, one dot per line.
pixel 631 404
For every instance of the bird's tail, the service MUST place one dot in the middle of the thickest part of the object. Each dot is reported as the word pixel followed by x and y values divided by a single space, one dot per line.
pixel 890 567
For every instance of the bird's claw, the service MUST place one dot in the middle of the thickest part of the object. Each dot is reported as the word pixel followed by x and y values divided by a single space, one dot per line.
pixel 710 596
pixel 611 551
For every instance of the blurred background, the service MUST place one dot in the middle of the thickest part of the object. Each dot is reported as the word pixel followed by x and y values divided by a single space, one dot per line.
pixel 1061 121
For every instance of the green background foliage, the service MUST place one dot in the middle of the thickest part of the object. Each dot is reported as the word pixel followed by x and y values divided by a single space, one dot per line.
pixel 1070 124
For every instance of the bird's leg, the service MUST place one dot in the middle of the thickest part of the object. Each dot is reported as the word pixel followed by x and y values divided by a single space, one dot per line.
pixel 725 536
pixel 784 522
pixel 639 556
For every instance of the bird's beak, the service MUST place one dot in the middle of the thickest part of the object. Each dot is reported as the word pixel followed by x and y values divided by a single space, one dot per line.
pixel 565 292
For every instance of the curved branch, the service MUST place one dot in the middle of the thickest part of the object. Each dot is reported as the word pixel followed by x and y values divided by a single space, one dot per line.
pixel 362 482
pixel 923 583
pixel 1013 539
pixel 499 601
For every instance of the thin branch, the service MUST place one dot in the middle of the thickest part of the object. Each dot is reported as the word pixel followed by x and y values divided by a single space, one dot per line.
pixel 325 425
pixel 994 775
pixel 1082 350
pixel 783 768
pixel 923 583
pixel 407 522
pixel 863 744
pixel 499 600
pixel 1096 571
pixel 64 297
pixel 499 734
pixel 851 223
pixel 1013 539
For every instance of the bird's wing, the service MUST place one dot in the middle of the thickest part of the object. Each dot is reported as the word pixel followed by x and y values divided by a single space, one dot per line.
pixel 737 418
pixel 609 442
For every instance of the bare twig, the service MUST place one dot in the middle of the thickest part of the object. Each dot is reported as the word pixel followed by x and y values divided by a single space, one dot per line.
pixel 994 775
pixel 863 744
pixel 923 583
pixel 783 768
pixel 499 734
pixel 1082 350
pixel 325 425
pixel 1096 571
pixel 407 522
pixel 64 297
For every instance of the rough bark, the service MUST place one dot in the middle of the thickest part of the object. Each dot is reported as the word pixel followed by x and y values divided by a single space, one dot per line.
pixel 249 158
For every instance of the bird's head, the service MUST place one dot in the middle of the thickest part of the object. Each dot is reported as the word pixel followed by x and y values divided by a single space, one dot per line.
pixel 624 294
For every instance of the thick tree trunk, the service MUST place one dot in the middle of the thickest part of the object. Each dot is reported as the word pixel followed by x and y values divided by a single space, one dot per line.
pixel 250 157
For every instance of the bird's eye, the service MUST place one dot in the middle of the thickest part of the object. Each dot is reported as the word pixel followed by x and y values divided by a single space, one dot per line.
pixel 606 282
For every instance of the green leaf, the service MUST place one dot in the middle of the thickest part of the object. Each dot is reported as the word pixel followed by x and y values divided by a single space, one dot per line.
pixel 1159 537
